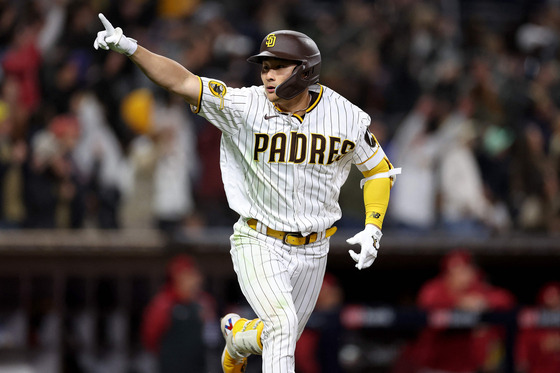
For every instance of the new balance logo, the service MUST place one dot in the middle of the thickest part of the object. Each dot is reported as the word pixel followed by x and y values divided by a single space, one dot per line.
pixel 267 117
pixel 229 325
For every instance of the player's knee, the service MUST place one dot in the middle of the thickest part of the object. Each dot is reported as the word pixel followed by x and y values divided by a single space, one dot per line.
pixel 284 325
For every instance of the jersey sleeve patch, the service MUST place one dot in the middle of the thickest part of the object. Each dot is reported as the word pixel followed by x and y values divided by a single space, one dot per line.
pixel 370 139
pixel 219 90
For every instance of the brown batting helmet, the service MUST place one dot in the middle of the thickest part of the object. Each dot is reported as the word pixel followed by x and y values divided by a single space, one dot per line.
pixel 297 47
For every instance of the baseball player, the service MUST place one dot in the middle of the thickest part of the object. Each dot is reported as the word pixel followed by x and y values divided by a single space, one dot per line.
pixel 287 147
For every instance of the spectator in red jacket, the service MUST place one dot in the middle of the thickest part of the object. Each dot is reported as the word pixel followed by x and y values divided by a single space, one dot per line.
pixel 538 349
pixel 460 286
pixel 173 322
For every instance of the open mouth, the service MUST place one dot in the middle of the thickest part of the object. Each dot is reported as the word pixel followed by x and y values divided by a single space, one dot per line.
pixel 270 89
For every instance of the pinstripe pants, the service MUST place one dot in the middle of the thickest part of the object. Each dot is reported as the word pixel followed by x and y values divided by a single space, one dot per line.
pixel 281 283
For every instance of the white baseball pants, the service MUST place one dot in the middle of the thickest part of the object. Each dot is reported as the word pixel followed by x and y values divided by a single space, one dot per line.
pixel 281 283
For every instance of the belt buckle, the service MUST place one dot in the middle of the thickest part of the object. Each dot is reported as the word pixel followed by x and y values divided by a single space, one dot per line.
pixel 288 234
pixel 296 235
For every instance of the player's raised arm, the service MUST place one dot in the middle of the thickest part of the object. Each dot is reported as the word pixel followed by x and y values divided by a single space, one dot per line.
pixel 161 70
pixel 168 74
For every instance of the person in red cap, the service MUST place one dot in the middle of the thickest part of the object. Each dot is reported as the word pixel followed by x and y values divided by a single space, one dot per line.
pixel 173 322
pixel 459 286
pixel 538 349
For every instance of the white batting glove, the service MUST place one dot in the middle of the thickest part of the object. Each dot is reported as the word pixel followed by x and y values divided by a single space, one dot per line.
pixel 113 38
pixel 369 242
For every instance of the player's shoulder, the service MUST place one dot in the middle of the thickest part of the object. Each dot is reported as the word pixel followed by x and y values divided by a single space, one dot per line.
pixel 252 93
pixel 332 97
pixel 219 86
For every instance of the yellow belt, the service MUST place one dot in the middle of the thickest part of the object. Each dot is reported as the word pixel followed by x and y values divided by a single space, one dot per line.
pixel 291 238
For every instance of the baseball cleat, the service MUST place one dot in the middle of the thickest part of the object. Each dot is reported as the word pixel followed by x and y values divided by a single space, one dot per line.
pixel 232 360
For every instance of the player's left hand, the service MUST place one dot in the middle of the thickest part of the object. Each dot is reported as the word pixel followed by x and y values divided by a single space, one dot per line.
pixel 369 242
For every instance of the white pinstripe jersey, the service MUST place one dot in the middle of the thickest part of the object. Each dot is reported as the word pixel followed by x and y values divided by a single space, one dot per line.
pixel 281 169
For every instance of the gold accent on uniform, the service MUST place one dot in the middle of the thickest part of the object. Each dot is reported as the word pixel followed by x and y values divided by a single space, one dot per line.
pixel 310 105
pixel 196 109
pixel 314 150
pixel 219 90
pixel 291 238
pixel 333 150
pixel 258 147
pixel 317 100
pixel 278 148
pixel 298 147
pixel 270 40
pixel 300 119
pixel 374 153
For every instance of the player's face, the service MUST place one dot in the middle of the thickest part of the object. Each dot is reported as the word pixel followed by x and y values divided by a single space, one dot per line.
pixel 274 72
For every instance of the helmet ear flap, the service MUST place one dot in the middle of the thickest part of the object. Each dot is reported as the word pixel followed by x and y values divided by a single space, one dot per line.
pixel 301 78
pixel 292 86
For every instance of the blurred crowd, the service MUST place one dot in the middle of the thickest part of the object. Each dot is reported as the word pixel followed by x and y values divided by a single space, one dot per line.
pixel 176 326
pixel 464 98
pixel 464 286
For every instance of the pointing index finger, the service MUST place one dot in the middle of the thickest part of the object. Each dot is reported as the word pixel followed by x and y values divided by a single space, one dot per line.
pixel 108 26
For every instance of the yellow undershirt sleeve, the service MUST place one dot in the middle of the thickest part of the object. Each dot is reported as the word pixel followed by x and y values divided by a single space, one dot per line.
pixel 376 195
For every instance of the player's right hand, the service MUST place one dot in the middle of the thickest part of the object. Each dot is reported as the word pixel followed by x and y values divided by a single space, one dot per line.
pixel 113 38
